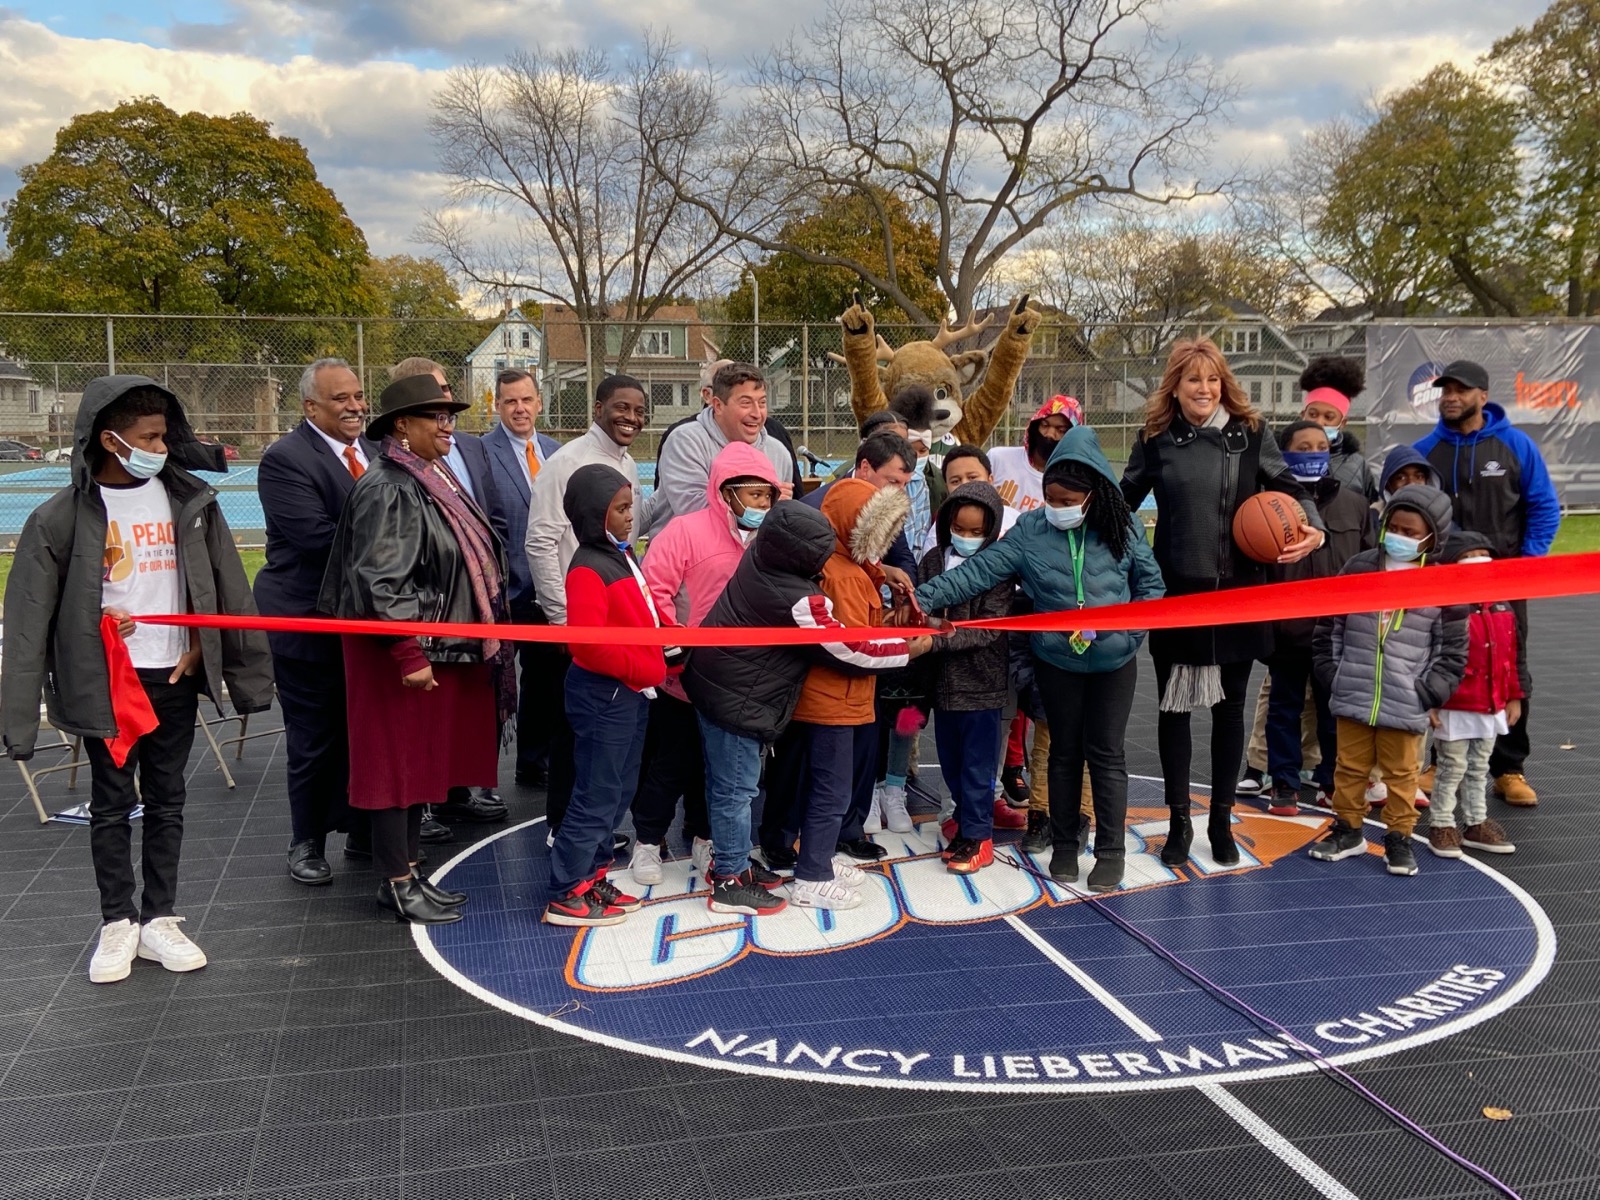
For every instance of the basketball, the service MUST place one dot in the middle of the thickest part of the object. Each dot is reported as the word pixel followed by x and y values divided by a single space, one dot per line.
pixel 1266 523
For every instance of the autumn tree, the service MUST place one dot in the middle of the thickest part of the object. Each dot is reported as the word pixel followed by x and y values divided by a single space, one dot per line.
pixel 983 119
pixel 1553 69
pixel 419 312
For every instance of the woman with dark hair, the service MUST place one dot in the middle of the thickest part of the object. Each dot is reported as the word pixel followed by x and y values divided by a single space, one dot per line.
pixel 425 712
pixel 1330 382
pixel 1204 451
pixel 1083 547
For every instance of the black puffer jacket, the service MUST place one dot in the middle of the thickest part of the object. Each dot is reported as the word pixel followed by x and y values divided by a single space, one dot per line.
pixel 1351 468
pixel 53 596
pixel 1351 528
pixel 395 558
pixel 753 690
pixel 969 666
pixel 1200 477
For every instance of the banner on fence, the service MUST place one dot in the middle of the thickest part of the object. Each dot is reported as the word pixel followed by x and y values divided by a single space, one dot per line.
pixel 1546 377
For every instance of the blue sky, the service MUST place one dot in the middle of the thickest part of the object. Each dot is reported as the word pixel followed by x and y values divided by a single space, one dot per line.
pixel 351 78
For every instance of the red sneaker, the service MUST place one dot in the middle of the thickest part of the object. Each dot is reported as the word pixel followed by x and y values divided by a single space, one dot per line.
pixel 582 908
pixel 612 896
pixel 969 856
pixel 1006 817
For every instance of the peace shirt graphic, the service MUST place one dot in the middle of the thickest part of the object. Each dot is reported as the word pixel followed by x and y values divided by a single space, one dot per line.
pixel 1007 981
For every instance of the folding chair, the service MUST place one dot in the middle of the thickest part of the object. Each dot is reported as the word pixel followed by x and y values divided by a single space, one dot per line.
pixel 31 775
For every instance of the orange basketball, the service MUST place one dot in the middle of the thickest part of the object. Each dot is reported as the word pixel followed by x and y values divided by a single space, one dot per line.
pixel 1266 523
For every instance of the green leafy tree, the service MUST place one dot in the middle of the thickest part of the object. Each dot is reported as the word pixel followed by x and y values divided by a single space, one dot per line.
pixel 1553 69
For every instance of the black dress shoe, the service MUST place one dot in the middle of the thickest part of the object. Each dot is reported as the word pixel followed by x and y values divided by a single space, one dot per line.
pixel 307 864
pixel 471 806
pixel 432 830
pixel 358 846
pixel 438 895
pixel 862 849
pixel 409 903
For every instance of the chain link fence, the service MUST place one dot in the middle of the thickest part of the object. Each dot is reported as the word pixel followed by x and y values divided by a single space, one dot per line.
pixel 238 377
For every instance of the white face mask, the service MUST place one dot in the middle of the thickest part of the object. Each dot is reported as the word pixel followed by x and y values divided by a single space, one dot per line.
pixel 1069 516
pixel 141 464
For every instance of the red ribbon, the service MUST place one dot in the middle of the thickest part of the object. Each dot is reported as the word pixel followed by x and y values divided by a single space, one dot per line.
pixel 130 706
pixel 1511 579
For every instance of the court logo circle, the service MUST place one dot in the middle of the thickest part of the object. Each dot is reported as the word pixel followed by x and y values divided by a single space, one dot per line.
pixel 1007 981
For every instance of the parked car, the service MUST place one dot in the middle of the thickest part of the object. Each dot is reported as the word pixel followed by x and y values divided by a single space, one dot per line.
pixel 12 450
pixel 61 454
pixel 229 453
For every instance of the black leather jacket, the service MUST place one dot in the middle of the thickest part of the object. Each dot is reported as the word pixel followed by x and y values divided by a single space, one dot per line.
pixel 394 558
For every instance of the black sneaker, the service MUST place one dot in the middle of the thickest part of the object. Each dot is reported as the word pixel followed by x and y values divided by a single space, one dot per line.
pixel 1341 842
pixel 763 877
pixel 1016 787
pixel 1285 800
pixel 1252 783
pixel 742 894
pixel 1064 863
pixel 434 830
pixel 861 849
pixel 1106 874
pixel 779 861
pixel 612 896
pixel 581 908
pixel 1037 839
pixel 1397 853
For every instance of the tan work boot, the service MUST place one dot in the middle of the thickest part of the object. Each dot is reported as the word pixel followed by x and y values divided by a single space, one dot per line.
pixel 1425 780
pixel 1514 789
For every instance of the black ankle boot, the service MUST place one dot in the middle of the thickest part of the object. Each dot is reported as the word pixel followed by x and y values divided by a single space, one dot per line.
pixel 1106 874
pixel 1219 827
pixel 1180 835
pixel 438 895
pixel 407 902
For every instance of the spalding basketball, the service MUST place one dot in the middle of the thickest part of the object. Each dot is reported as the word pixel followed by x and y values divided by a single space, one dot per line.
pixel 1266 523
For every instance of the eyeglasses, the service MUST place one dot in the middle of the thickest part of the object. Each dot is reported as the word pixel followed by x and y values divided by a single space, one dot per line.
pixel 445 420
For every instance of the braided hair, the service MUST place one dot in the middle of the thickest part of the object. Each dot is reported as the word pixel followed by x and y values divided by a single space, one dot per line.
pixel 1108 515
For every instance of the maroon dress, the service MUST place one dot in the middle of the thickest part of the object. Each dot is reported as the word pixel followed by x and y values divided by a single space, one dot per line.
pixel 409 746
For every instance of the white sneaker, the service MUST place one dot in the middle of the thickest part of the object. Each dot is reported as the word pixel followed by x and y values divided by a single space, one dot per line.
pixel 701 853
pixel 846 872
pixel 826 893
pixel 874 821
pixel 162 941
pixel 113 957
pixel 1377 793
pixel 645 865
pixel 895 815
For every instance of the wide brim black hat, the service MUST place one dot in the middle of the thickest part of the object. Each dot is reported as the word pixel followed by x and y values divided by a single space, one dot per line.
pixel 406 396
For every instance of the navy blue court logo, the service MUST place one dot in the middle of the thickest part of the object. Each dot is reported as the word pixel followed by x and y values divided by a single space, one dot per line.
pixel 1004 981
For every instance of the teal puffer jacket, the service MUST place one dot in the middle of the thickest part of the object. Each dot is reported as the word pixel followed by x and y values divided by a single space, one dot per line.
pixel 1039 556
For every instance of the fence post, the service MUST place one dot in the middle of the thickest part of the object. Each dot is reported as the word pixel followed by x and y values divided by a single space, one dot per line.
pixel 805 386
pixel 111 349
pixel 588 360
pixel 361 355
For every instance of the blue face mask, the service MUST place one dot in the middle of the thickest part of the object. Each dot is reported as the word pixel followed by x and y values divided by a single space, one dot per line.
pixel 142 464
pixel 1334 435
pixel 751 518
pixel 1308 465
pixel 965 546
pixel 1401 548
pixel 1067 517
pixel 623 546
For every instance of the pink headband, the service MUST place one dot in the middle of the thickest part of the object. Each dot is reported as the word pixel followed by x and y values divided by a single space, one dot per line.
pixel 1328 395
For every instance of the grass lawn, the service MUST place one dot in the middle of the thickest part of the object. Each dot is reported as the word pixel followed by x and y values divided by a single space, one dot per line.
pixel 1579 535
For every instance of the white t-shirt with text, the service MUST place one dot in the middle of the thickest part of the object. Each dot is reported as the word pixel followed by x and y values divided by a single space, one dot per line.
pixel 1019 485
pixel 142 574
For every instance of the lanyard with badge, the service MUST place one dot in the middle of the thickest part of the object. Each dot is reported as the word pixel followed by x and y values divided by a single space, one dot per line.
pixel 1080 640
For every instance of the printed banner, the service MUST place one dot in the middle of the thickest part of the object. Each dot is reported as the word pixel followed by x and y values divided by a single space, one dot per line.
pixel 1546 377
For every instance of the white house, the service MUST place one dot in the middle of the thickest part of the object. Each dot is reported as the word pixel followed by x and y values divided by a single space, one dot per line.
pixel 514 344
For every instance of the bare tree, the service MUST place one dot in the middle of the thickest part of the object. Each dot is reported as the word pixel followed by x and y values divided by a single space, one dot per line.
pixel 986 116
pixel 580 152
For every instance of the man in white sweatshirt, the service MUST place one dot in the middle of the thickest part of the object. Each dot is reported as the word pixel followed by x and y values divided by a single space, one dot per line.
pixel 621 411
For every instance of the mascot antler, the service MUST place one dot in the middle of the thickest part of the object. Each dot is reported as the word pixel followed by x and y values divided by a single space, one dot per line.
pixel 946 335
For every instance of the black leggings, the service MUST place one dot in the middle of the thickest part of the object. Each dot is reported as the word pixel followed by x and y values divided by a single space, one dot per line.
pixel 396 840
pixel 1088 715
pixel 1227 737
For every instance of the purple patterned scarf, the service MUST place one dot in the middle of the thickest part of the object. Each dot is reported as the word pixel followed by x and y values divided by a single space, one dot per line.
pixel 473 536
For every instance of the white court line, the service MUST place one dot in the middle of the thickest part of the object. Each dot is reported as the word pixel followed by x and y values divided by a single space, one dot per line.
pixel 1290 1154
pixel 1285 1150
pixel 1085 980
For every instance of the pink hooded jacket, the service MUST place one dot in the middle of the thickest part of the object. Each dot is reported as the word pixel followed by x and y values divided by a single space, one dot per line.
pixel 691 560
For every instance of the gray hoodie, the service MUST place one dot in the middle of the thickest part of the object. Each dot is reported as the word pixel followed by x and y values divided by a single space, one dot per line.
pixel 53 597
pixel 683 464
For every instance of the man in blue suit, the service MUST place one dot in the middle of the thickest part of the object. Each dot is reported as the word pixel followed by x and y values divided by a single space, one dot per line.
pixel 304 479
pixel 516 452
pixel 468 461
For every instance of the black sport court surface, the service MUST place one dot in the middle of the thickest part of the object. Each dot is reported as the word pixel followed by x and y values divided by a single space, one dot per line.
pixel 321 1055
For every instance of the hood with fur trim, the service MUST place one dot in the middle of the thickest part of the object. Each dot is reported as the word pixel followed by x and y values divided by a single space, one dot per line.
pixel 865 519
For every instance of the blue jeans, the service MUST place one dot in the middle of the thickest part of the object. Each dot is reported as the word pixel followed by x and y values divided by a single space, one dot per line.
pixel 733 777
pixel 608 723
pixel 968 745
pixel 825 788
pixel 1291 671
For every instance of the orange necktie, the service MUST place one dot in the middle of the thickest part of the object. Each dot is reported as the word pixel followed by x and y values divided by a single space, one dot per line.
pixel 356 469
pixel 533 461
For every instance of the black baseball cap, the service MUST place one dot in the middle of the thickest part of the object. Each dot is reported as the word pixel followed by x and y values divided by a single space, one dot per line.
pixel 1466 372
